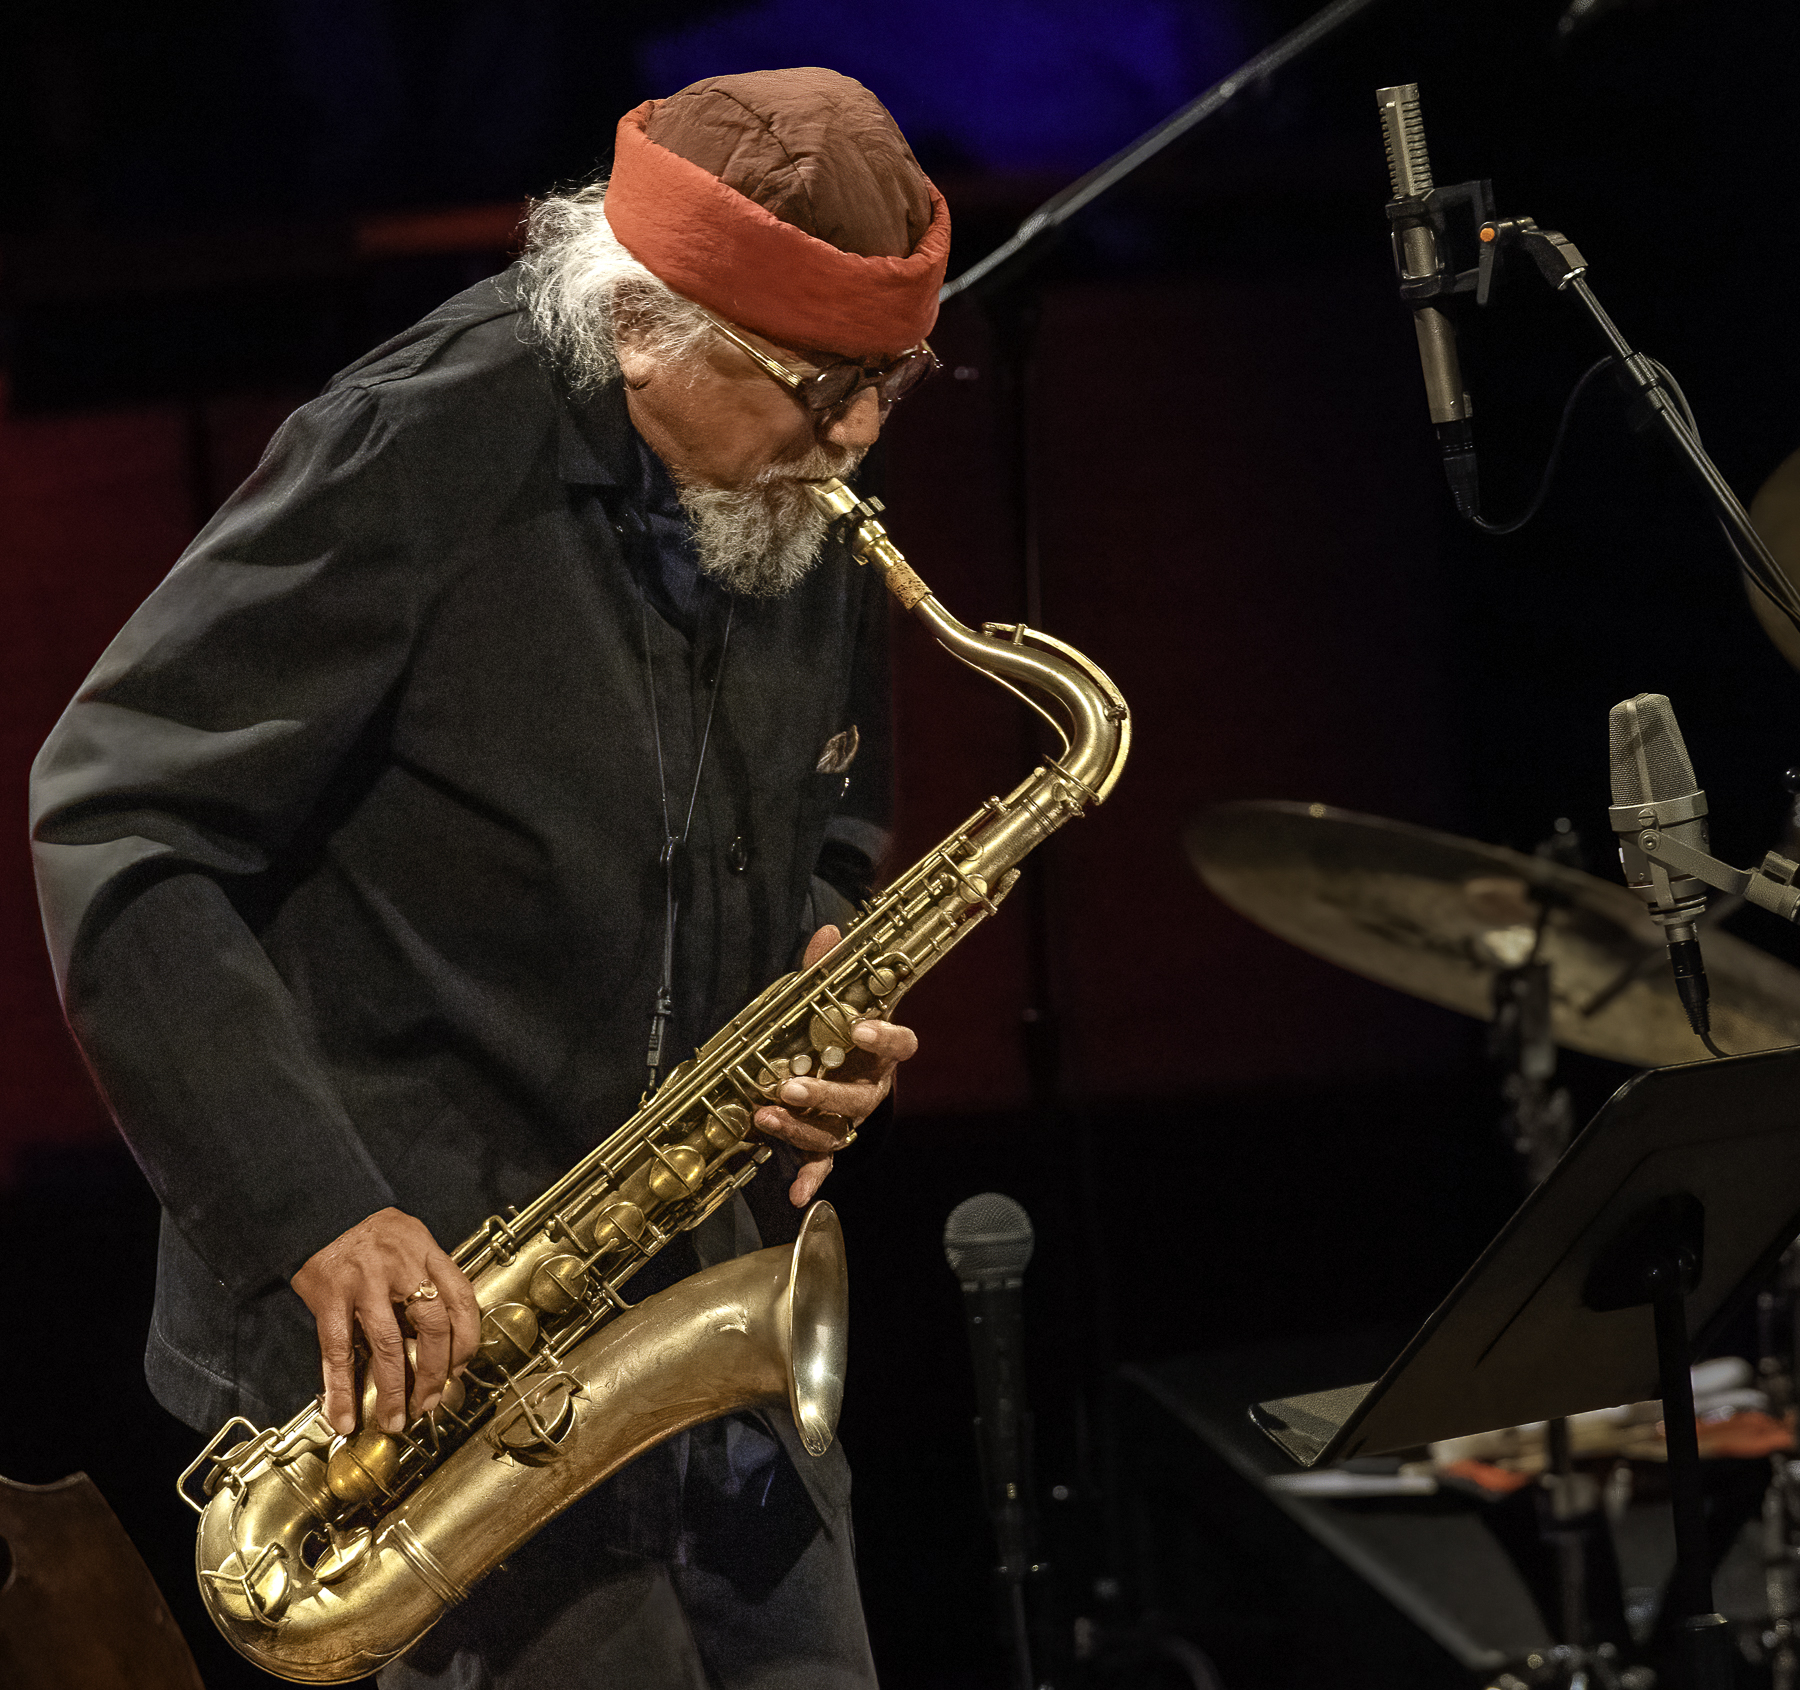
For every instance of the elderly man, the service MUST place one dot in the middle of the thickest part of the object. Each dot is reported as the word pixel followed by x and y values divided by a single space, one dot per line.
pixel 510 728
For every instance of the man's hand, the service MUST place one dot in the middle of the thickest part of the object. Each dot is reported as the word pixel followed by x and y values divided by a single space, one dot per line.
pixel 821 1114
pixel 363 1279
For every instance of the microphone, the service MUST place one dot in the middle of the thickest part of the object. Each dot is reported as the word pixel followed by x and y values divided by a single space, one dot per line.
pixel 1655 796
pixel 987 1242
pixel 1417 262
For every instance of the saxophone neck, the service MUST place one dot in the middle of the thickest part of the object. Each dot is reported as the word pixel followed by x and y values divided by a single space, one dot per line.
pixel 1065 687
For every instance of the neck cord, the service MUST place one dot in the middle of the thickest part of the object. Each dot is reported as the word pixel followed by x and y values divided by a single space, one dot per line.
pixel 672 841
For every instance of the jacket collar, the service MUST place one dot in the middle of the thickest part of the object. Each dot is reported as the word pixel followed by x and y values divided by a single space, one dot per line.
pixel 596 445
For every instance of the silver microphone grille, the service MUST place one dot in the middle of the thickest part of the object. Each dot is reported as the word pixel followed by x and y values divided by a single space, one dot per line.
pixel 988 1237
pixel 1402 127
pixel 1649 758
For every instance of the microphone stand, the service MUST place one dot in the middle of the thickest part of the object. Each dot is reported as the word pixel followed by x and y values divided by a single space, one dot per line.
pixel 1005 284
pixel 1013 257
pixel 1657 402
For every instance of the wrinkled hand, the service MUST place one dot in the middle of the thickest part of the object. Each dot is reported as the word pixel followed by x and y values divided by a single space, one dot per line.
pixel 362 1279
pixel 821 1114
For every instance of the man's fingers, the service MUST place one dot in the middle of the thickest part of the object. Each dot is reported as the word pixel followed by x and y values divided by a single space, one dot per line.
pixel 853 1100
pixel 885 1040
pixel 811 1136
pixel 807 1182
pixel 355 1281
pixel 430 1320
pixel 819 944
pixel 339 1366
pixel 387 1355
pixel 457 1296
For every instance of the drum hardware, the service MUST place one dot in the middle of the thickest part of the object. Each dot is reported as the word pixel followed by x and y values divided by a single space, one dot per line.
pixel 1538 1117
pixel 1549 955
pixel 1539 1122
pixel 1678 1196
pixel 1778 1341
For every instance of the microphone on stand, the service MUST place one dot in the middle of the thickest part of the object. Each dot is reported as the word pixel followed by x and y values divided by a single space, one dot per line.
pixel 1422 270
pixel 1655 797
pixel 987 1241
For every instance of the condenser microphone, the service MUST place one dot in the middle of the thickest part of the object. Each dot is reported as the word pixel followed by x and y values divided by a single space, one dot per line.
pixel 987 1241
pixel 1654 793
pixel 1417 261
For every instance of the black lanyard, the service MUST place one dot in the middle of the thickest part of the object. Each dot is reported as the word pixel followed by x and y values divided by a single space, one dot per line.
pixel 673 841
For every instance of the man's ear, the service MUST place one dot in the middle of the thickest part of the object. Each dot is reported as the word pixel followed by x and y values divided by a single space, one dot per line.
pixel 635 363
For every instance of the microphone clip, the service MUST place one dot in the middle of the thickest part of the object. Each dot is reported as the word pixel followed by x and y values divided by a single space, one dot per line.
pixel 1770 885
pixel 1472 204
pixel 1558 259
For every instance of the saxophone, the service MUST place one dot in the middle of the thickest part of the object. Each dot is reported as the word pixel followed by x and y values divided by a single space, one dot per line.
pixel 321 1557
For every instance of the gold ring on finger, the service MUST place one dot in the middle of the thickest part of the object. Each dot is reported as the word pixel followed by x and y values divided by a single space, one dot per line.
pixel 426 1293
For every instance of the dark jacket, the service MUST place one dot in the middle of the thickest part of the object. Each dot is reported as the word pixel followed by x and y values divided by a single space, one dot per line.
pixel 348 847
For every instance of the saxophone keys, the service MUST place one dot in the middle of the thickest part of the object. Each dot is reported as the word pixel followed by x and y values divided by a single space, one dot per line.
pixel 532 1426
pixel 676 1173
pixel 831 1057
pixel 559 1284
pixel 256 1593
pixel 343 1555
pixel 619 1224
pixel 829 1030
pixel 363 1467
pixel 728 1125
pixel 507 1335
pixel 881 981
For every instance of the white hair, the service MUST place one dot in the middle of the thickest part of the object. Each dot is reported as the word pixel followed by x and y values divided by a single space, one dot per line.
pixel 577 281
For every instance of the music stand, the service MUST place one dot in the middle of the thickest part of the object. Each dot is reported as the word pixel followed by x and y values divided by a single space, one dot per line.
pixel 1682 1192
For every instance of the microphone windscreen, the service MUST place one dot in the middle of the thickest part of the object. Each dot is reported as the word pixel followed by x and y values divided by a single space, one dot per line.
pixel 1403 131
pixel 988 1237
pixel 1649 758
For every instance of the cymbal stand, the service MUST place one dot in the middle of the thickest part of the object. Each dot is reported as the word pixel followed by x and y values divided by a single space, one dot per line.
pixel 1539 1122
pixel 1781 1501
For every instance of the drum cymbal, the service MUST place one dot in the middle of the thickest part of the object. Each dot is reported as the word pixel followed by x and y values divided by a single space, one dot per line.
pixel 1439 916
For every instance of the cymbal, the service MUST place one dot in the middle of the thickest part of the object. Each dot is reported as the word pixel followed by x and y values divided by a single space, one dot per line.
pixel 1439 916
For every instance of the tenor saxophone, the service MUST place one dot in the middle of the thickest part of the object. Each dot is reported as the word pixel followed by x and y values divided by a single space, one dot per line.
pixel 321 1556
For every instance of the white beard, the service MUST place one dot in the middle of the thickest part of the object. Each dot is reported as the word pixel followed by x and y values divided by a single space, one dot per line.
pixel 761 540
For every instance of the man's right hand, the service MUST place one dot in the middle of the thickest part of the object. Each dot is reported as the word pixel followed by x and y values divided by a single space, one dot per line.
pixel 363 1279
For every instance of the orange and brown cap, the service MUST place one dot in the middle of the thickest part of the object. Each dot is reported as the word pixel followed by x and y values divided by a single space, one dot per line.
pixel 788 202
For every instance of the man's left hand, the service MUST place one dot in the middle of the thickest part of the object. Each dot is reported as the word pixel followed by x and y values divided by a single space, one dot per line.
pixel 818 1116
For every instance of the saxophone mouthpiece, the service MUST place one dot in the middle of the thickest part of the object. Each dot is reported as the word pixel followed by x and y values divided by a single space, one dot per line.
pixel 855 525
pixel 832 497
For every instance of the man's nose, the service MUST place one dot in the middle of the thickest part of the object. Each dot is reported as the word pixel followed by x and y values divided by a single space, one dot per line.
pixel 856 423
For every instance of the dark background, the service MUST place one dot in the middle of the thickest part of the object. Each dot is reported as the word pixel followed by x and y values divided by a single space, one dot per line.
pixel 210 207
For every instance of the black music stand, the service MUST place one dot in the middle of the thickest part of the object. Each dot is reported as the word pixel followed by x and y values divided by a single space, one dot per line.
pixel 1682 1192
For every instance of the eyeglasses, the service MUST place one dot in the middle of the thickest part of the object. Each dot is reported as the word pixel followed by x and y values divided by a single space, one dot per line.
pixel 832 386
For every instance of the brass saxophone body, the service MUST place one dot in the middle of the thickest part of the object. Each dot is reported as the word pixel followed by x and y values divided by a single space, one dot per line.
pixel 321 1557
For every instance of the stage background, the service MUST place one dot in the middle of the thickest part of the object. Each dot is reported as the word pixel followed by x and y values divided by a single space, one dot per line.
pixel 1241 519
